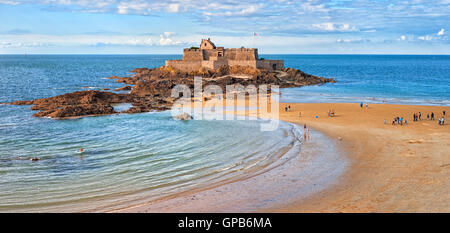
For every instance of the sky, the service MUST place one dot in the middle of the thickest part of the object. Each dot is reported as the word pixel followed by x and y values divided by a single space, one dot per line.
pixel 272 26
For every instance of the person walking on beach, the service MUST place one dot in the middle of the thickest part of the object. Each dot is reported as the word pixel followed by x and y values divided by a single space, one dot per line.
pixel 361 104
pixel 393 121
pixel 420 115
pixel 289 107
pixel 432 116
pixel 443 112
pixel 443 121
pixel 428 116
pixel 285 109
pixel 304 131
pixel 367 105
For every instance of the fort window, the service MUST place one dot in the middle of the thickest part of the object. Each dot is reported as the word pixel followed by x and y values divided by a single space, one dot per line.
pixel 274 66
pixel 219 54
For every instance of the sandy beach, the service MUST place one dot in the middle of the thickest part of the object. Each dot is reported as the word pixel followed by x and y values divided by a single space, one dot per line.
pixel 393 168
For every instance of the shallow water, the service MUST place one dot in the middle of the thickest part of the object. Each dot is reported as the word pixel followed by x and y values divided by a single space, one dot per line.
pixel 127 158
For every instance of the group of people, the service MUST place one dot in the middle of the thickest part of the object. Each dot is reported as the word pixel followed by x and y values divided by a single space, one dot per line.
pixel 399 120
pixel 362 104
pixel 441 121
pixel 331 112
pixel 418 117
pixel 286 108
pixel 305 132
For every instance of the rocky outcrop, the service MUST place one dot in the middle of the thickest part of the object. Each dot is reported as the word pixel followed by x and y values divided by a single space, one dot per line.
pixel 152 89
pixel 76 111
pixel 74 104
pixel 184 117
pixel 22 102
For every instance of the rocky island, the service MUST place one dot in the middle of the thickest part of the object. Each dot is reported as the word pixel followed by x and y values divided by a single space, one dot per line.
pixel 150 89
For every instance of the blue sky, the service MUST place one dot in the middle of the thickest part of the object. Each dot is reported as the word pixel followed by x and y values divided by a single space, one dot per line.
pixel 167 26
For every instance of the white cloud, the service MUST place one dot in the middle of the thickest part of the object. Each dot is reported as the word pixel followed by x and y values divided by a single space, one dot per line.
pixel 425 38
pixel 165 40
pixel 239 10
pixel 133 7
pixel 353 40
pixel 8 2
pixel 37 40
pixel 403 37
pixel 344 27
pixel 14 44
pixel 439 36
pixel 173 8
pixel 169 34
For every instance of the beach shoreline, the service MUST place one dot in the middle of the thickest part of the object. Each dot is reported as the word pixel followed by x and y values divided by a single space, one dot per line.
pixel 394 168
pixel 401 168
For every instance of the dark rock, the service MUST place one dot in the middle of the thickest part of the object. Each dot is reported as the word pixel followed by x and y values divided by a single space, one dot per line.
pixel 22 102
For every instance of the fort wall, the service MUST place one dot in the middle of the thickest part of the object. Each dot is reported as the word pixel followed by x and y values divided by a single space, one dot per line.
pixel 270 64
pixel 184 65
pixel 212 57
pixel 193 55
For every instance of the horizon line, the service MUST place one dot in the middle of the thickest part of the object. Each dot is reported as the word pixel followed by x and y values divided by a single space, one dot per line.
pixel 412 54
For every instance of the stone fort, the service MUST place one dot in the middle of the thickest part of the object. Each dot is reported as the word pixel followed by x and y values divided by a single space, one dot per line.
pixel 211 57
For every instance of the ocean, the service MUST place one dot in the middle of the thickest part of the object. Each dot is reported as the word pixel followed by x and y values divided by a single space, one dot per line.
pixel 135 158
pixel 394 79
